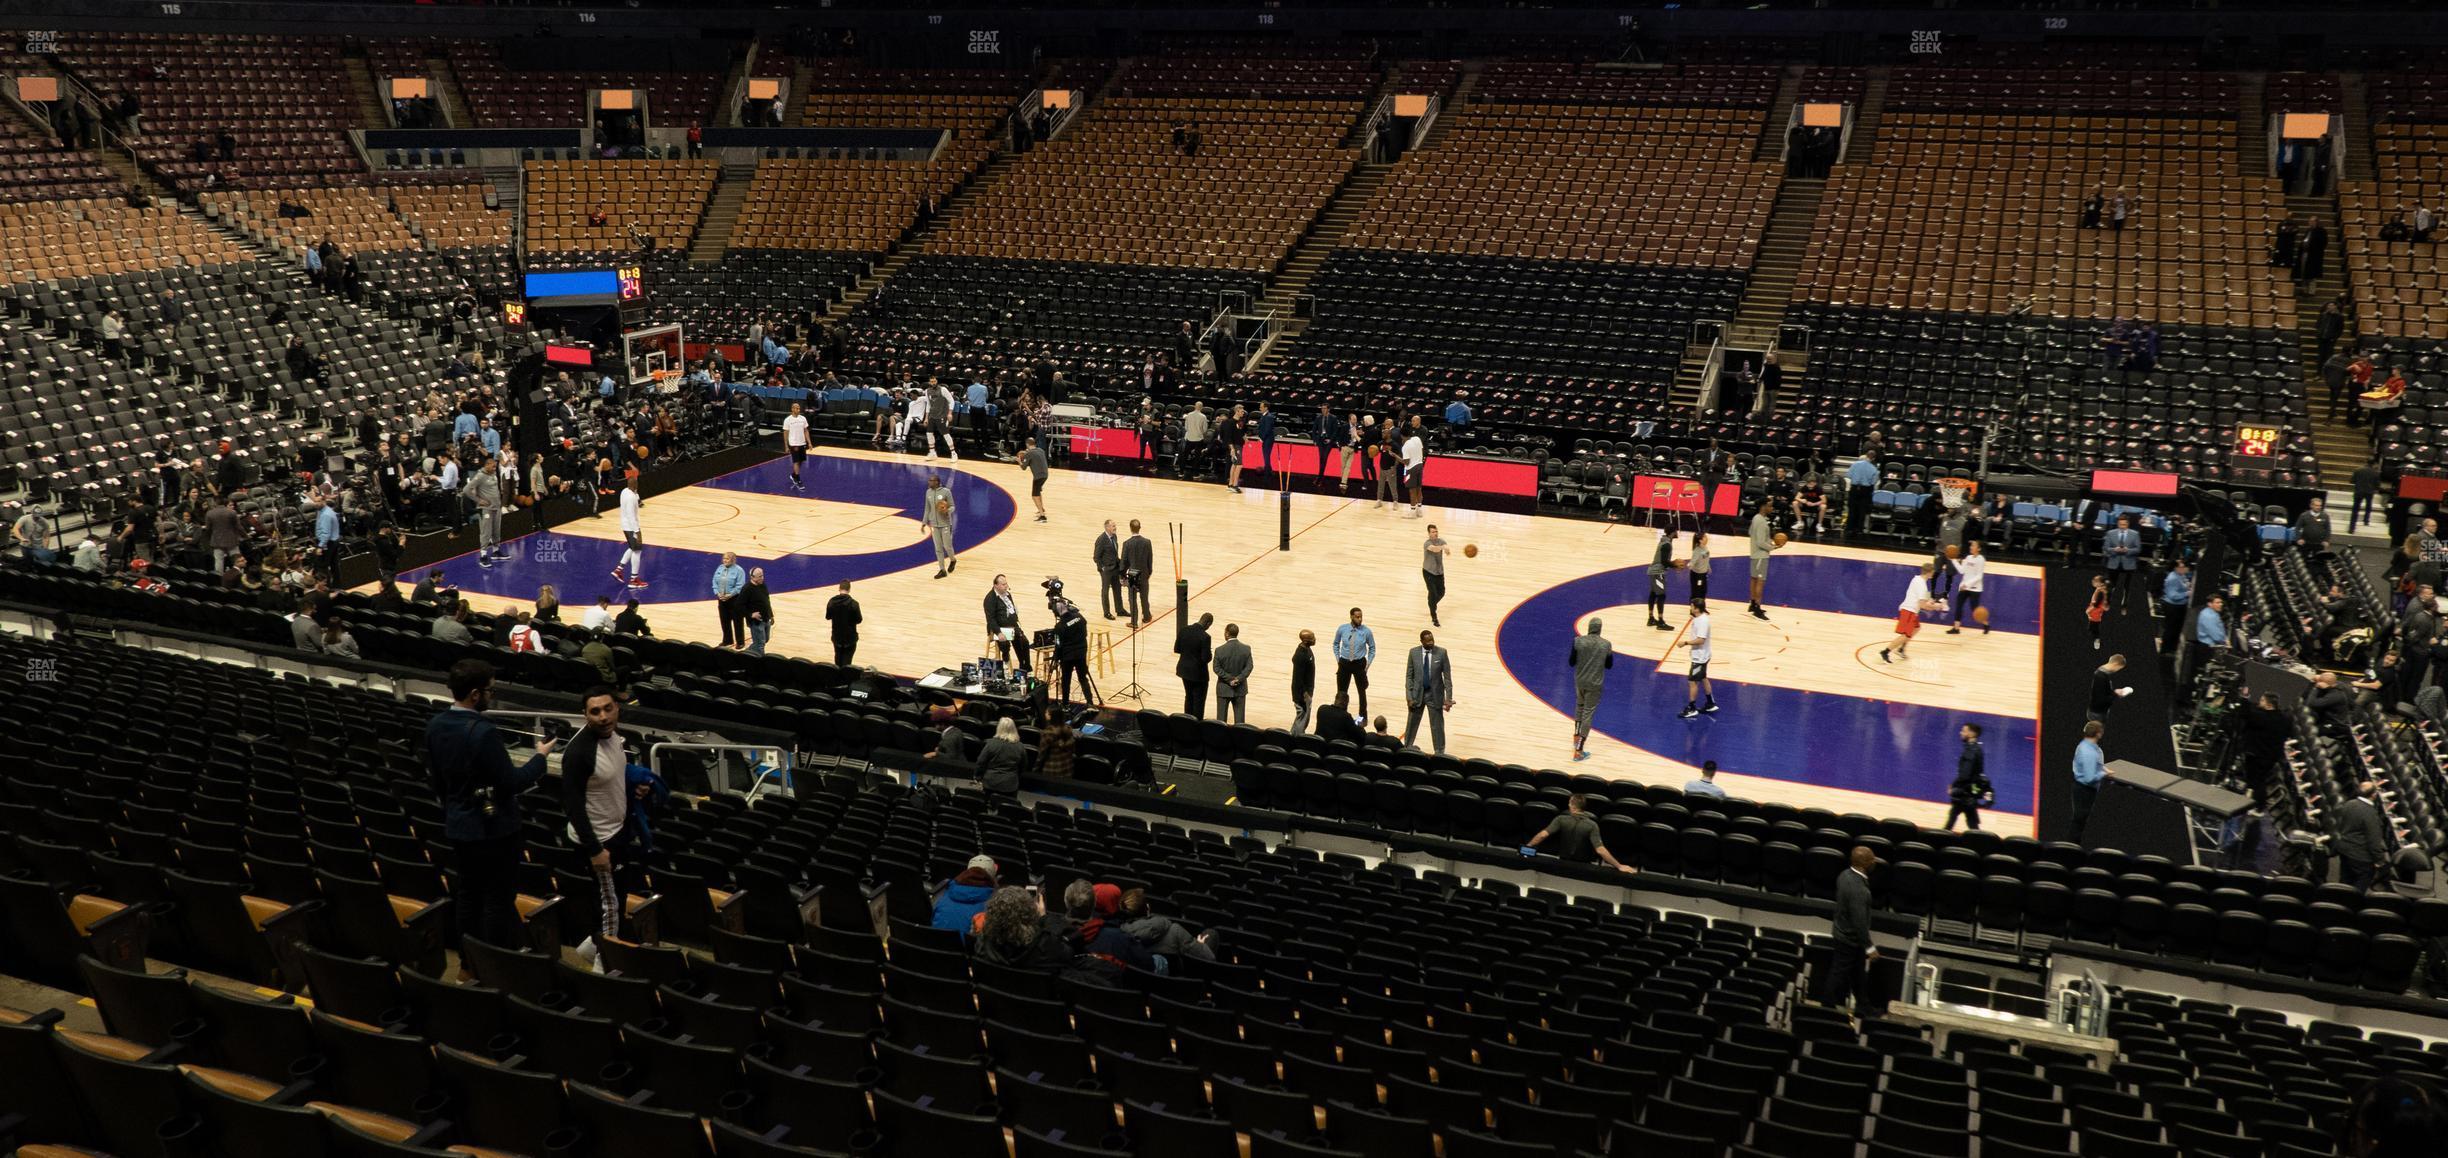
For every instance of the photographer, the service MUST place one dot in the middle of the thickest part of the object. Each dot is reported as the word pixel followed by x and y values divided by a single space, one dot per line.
pixel 470 768
pixel 1070 642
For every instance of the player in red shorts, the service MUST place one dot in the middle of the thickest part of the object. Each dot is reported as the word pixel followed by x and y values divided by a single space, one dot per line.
pixel 1917 603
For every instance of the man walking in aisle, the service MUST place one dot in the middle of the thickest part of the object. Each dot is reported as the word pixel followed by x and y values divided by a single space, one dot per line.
pixel 1427 687
pixel 1849 959
pixel 2090 767
pixel 2121 554
pixel 1696 637
pixel 2175 594
pixel 1355 648
pixel 1196 653
pixel 1591 656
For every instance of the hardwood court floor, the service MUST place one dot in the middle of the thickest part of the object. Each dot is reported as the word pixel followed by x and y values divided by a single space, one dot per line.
pixel 1811 715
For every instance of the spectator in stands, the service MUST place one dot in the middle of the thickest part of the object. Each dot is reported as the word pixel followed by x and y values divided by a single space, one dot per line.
pixel 1576 837
pixel 304 633
pixel 2331 706
pixel 2312 526
pixel 327 536
pixel 2090 767
pixel 1013 931
pixel 337 641
pixel 964 897
pixel 2119 204
pixel 88 554
pixel 113 331
pixel 2362 835
pixel 137 532
pixel 32 536
pixel 2383 684
pixel 1057 747
pixel 2209 631
pixel 2094 205
pixel 1706 785
pixel 1163 937
pixel 451 626
pixel 1850 958
pixel 429 589
pixel 999 763
pixel 1105 951
pixel 469 766
pixel 1381 736
pixel 1338 723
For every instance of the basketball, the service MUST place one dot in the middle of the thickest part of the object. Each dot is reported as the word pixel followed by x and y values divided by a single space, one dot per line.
pixel 1980 615
pixel 1677 564
pixel 943 506
pixel 603 466
pixel 1470 550
pixel 1953 551
pixel 1779 539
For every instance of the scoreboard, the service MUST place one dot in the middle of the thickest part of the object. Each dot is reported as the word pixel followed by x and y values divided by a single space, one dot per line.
pixel 2257 439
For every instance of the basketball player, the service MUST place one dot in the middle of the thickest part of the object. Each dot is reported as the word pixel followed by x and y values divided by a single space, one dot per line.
pixel 633 559
pixel 1699 565
pixel 936 511
pixel 1696 637
pixel 1917 602
pixel 1432 570
pixel 795 438
pixel 1970 571
pixel 1659 564
pixel 1763 532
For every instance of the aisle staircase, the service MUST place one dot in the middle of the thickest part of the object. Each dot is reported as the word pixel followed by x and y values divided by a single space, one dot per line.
pixel 2252 122
pixel 118 160
pixel 2358 126
pixel 373 111
pixel 1766 292
pixel 1455 103
pixel 1866 116
pixel 1771 145
pixel 2340 447
pixel 721 214
pixel 1320 240
pixel 916 243
pixel 446 90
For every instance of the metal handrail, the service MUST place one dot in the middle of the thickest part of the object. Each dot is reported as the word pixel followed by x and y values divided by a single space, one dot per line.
pixel 1419 131
pixel 1709 373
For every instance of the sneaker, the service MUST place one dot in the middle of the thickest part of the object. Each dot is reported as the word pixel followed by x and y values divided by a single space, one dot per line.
pixel 939 572
pixel 485 561
pixel 1954 631
pixel 1689 711
pixel 1579 756
pixel 1710 707
pixel 588 953
pixel 1662 625
pixel 954 565
pixel 636 584
pixel 1883 656
pixel 1041 518
pixel 1756 613
pixel 2095 645
pixel 618 577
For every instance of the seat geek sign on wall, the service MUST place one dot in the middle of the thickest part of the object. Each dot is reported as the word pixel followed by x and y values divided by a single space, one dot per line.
pixel 985 42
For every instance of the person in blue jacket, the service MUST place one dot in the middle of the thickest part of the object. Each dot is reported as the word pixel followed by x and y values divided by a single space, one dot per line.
pixel 965 896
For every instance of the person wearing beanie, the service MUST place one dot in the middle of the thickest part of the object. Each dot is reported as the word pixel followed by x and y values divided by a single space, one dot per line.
pixel 965 895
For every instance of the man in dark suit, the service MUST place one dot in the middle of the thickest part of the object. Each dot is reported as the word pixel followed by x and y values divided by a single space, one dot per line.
pixel 1232 669
pixel 1185 349
pixel 1428 688
pixel 1003 630
pixel 1304 680
pixel 1138 559
pixel 843 613
pixel 1327 432
pixel 1196 653
pixel 2362 837
pixel 1109 570
pixel 1850 957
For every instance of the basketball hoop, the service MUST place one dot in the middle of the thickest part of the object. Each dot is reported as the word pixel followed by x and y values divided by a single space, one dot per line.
pixel 1953 493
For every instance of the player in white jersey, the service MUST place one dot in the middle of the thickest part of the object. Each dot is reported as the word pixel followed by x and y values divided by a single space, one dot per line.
pixel 1696 636
pixel 1917 602
pixel 1972 571
pixel 795 438
pixel 632 558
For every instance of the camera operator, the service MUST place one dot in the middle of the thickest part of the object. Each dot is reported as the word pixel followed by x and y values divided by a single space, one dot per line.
pixel 470 769
pixel 1070 642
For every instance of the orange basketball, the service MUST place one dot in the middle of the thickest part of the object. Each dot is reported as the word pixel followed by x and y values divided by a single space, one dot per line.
pixel 1779 539
pixel 1952 551
pixel 943 506
pixel 1470 550
pixel 1980 615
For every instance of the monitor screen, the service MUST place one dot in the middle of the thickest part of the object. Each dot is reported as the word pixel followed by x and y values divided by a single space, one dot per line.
pixel 2144 483
pixel 761 89
pixel 31 89
pixel 574 283
pixel 407 87
pixel 569 355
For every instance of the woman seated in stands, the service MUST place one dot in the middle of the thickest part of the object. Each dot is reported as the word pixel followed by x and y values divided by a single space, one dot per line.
pixel 1013 931
pixel 2388 394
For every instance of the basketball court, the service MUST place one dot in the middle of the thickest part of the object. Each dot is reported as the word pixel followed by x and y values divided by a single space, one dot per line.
pixel 1810 715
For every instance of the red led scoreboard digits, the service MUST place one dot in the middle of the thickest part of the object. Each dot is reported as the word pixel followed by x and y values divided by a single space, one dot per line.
pixel 2257 439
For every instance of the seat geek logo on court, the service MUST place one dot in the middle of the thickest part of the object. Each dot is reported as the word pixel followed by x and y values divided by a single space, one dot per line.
pixel 985 42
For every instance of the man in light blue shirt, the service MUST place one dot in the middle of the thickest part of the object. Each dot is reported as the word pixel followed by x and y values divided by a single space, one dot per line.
pixel 1355 648
pixel 327 538
pixel 463 427
pixel 607 387
pixel 976 396
pixel 314 264
pixel 488 437
pixel 1458 415
pixel 450 473
pixel 1860 479
pixel 1706 785
pixel 2175 594
pixel 729 580
pixel 2210 627
pixel 2090 767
